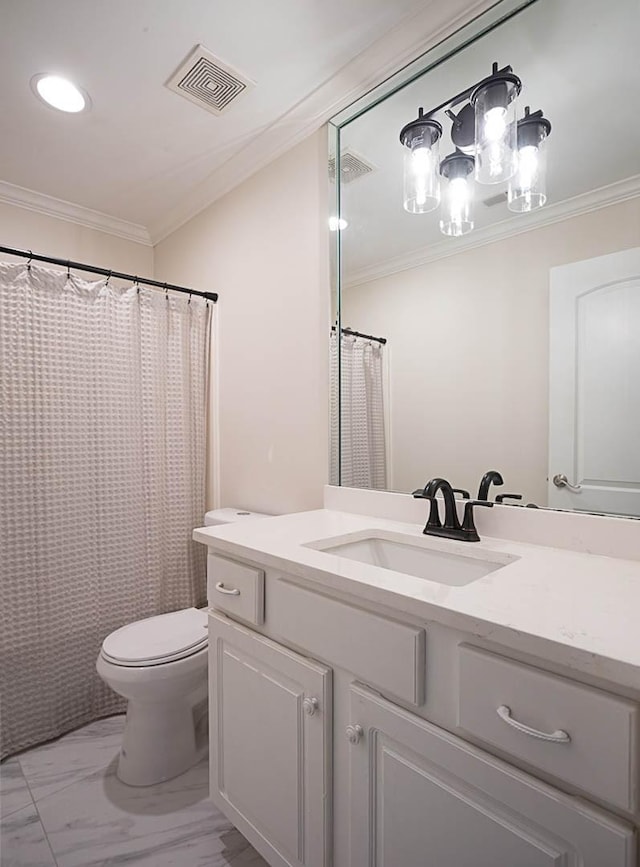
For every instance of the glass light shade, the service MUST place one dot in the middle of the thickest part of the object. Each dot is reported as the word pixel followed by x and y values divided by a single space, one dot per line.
pixel 421 181
pixel 455 219
pixel 495 105
pixel 528 187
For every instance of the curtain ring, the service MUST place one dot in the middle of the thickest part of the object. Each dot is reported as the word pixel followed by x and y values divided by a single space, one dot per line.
pixel 136 284
pixel 189 301
pixel 68 270
pixel 166 291
pixel 29 260
pixel 108 278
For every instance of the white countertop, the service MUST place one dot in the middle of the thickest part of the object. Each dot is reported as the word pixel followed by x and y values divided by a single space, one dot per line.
pixel 575 609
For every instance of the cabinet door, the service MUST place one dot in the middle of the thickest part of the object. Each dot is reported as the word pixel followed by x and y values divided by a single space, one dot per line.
pixel 421 797
pixel 270 725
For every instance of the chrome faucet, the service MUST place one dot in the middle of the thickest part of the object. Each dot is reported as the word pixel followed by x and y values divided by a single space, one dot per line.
pixel 452 528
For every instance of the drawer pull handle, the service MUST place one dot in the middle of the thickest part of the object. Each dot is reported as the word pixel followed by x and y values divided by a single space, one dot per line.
pixel 233 591
pixel 557 737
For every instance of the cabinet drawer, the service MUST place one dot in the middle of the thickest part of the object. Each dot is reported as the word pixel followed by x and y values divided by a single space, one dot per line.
pixel 235 588
pixel 513 707
pixel 383 653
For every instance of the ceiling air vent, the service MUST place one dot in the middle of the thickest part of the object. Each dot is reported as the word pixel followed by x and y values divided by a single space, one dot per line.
pixel 208 82
pixel 352 167
pixel 500 199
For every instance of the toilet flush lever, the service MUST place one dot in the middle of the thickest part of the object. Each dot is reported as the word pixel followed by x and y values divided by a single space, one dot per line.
pixel 228 591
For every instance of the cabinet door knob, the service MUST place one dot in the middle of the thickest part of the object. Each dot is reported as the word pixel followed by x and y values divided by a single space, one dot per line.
pixel 354 733
pixel 310 706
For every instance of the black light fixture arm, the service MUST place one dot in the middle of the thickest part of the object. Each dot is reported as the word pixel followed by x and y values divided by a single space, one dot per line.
pixel 105 272
pixel 465 94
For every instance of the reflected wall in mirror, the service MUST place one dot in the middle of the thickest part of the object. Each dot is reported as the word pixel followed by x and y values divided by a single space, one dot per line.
pixel 514 347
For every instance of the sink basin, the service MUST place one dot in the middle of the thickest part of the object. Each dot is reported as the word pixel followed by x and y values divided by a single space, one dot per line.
pixel 395 552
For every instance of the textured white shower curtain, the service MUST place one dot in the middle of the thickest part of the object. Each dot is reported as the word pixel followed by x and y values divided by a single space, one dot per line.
pixel 362 450
pixel 102 478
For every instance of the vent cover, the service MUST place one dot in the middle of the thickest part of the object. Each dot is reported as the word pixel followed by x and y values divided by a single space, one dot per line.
pixel 352 167
pixel 500 199
pixel 208 82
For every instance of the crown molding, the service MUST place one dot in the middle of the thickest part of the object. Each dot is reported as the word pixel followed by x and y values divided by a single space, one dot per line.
pixel 585 203
pixel 31 200
pixel 403 44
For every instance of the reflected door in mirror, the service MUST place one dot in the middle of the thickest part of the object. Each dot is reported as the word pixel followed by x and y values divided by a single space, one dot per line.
pixel 594 423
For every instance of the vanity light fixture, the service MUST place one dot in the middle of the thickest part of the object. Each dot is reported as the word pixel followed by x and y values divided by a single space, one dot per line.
pixel 60 93
pixel 494 101
pixel 491 145
pixel 528 187
pixel 421 183
pixel 455 214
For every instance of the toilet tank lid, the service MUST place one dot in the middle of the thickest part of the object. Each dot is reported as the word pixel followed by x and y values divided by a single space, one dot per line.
pixel 230 516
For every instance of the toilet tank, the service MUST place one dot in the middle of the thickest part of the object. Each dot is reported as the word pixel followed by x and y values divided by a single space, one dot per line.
pixel 230 516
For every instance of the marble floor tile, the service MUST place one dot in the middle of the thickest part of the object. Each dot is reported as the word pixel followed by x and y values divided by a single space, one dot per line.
pixel 70 758
pixel 14 791
pixel 100 821
pixel 23 842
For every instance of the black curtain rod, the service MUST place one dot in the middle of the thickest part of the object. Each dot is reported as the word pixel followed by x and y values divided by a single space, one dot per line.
pixel 353 333
pixel 92 269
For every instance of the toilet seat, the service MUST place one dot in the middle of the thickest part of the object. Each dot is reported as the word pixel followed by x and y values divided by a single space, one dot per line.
pixel 158 640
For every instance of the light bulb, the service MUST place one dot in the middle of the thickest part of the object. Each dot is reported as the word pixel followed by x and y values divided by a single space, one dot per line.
pixel 422 165
pixel 60 93
pixel 527 166
pixel 458 199
pixel 495 123
pixel 527 188
pixel 456 217
pixel 337 224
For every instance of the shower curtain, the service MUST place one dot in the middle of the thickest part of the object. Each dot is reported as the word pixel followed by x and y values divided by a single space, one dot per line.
pixel 360 451
pixel 102 477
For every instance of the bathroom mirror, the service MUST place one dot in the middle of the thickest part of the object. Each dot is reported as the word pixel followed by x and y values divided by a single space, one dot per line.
pixel 515 346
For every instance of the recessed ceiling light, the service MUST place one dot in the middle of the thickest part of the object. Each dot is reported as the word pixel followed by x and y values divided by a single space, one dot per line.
pixel 60 93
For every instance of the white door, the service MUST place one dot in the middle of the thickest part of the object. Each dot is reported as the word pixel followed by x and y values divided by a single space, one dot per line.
pixel 421 797
pixel 594 398
pixel 270 747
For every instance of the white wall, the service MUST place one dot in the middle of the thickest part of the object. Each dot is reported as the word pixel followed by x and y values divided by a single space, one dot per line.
pixel 263 247
pixel 468 351
pixel 29 230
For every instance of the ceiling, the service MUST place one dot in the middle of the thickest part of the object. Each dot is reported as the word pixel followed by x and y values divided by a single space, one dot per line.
pixel 576 63
pixel 148 157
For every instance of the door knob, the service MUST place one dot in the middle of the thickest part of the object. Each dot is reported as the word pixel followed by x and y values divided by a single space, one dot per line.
pixel 310 706
pixel 354 733
pixel 561 481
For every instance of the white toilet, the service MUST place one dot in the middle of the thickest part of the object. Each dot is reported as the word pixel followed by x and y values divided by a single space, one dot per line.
pixel 160 665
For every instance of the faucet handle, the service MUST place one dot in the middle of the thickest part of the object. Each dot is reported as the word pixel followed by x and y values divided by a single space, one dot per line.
pixel 502 497
pixel 468 524
pixel 464 494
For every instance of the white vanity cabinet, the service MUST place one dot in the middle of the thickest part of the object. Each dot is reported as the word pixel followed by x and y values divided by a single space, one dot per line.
pixel 392 789
pixel 421 797
pixel 270 712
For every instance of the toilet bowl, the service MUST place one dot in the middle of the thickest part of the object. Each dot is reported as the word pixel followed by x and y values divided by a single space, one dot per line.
pixel 160 666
